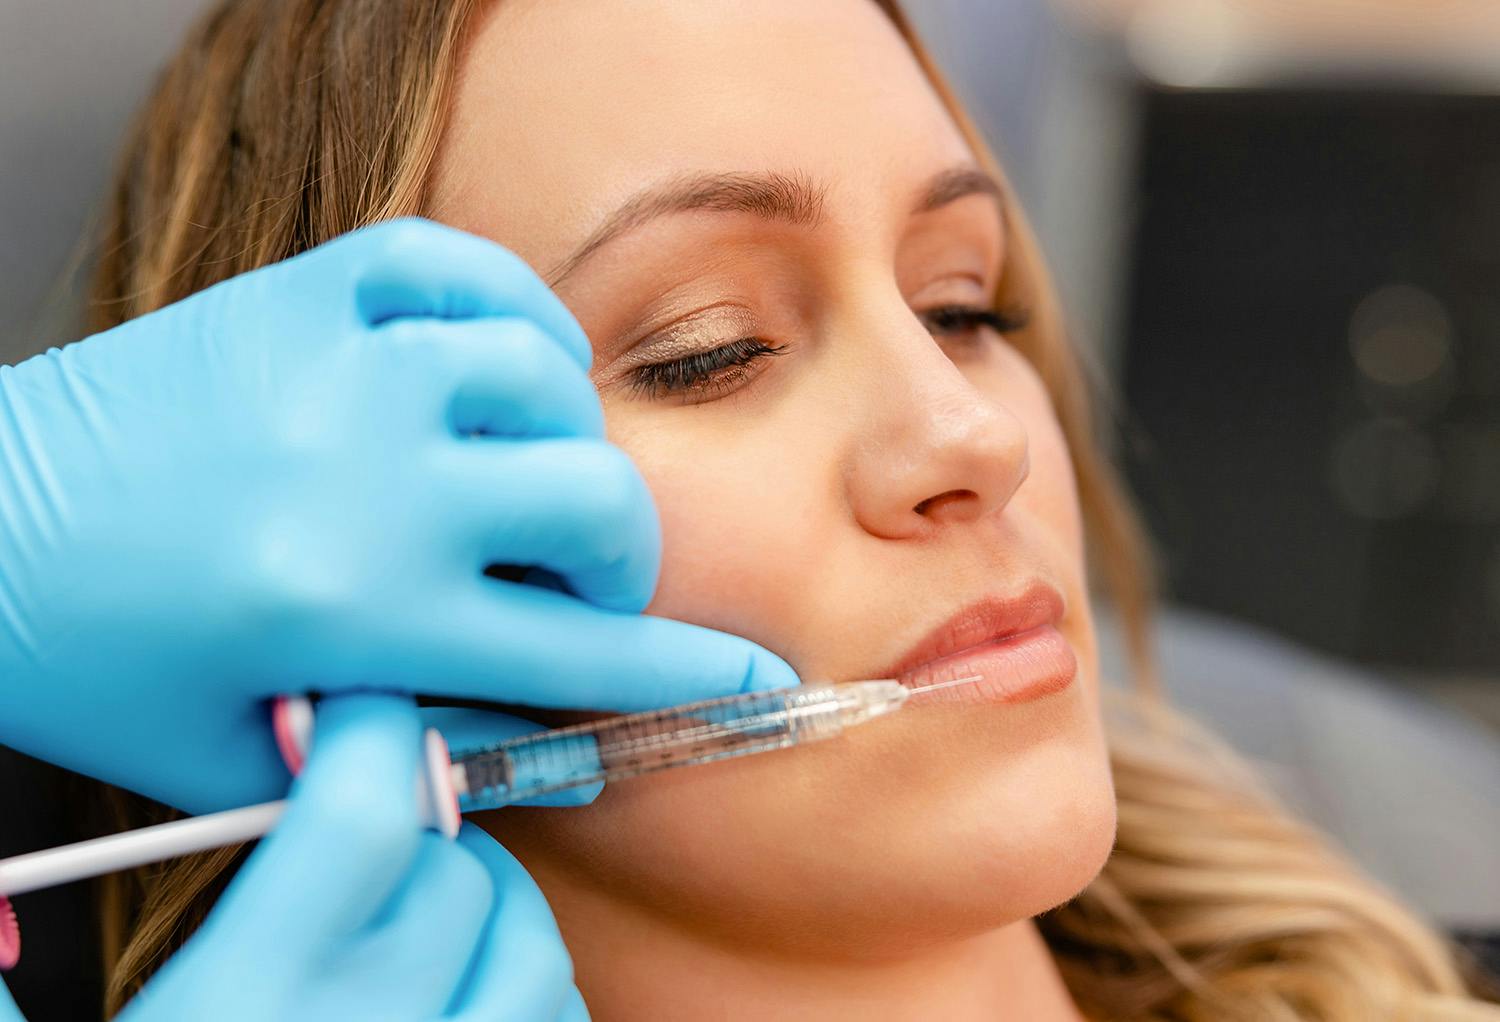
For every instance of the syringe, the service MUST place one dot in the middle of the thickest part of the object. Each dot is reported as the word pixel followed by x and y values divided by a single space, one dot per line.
pixel 607 750
pixel 619 747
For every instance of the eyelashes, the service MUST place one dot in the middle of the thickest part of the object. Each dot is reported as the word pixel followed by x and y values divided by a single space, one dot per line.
pixel 962 319
pixel 703 374
pixel 714 370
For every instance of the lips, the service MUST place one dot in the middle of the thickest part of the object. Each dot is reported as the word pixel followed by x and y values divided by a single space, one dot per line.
pixel 1011 643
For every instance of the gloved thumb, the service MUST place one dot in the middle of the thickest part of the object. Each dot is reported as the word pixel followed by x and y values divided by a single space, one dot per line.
pixel 8 1010
pixel 536 647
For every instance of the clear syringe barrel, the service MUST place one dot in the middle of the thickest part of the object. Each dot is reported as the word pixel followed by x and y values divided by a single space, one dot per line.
pixel 639 743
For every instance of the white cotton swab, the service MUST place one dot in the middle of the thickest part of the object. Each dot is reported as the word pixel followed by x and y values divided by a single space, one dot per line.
pixel 52 866
pixel 437 806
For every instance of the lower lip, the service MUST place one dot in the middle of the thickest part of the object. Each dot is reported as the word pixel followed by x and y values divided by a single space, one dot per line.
pixel 1015 669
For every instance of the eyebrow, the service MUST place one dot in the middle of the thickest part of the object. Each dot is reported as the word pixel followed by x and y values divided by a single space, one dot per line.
pixel 787 198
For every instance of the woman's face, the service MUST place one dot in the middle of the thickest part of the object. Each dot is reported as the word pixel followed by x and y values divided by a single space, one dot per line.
pixel 834 502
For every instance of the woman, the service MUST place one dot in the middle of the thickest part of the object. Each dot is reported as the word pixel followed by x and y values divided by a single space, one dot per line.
pixel 822 331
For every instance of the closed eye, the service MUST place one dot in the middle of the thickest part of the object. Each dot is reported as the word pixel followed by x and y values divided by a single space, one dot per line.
pixel 958 319
pixel 709 371
pixel 703 374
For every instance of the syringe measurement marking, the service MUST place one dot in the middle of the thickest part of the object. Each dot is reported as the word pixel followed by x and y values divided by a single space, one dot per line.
pixel 708 728
pixel 667 755
pixel 729 735
pixel 729 730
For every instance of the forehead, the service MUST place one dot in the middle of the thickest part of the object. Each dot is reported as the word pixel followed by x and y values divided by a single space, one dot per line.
pixel 566 108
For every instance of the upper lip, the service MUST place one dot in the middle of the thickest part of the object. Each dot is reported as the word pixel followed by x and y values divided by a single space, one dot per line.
pixel 983 621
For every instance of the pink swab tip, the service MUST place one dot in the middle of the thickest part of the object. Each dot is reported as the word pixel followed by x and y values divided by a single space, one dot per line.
pixel 10 936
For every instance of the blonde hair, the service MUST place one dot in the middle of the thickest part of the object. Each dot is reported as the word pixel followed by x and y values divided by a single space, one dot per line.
pixel 283 123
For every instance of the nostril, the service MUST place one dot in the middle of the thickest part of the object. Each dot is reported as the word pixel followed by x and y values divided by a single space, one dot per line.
pixel 942 499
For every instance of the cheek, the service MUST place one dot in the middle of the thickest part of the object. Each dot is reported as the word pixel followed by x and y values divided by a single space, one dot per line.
pixel 741 520
pixel 1050 493
pixel 1056 490
pixel 1053 503
pixel 1048 498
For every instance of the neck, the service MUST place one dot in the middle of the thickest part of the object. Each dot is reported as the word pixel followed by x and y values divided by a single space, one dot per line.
pixel 634 965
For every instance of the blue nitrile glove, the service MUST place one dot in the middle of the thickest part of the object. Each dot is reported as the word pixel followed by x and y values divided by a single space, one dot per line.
pixel 272 486
pixel 350 910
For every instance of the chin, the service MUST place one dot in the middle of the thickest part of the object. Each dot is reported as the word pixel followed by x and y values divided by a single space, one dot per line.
pixel 980 839
pixel 1013 853
pixel 1071 840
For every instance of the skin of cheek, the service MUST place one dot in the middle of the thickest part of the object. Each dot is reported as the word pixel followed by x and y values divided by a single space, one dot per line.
pixel 946 821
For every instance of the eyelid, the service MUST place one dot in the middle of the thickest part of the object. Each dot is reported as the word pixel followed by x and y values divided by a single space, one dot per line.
pixel 958 288
pixel 683 335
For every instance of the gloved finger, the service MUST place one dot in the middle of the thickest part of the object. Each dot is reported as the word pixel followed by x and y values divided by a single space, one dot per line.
pixel 415 953
pixel 578 508
pixel 573 1009
pixel 344 845
pixel 468 730
pixel 521 969
pixel 500 376
pixel 507 643
pixel 414 267
pixel 8 1010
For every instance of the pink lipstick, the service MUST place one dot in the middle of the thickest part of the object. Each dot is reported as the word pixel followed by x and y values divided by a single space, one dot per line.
pixel 1012 644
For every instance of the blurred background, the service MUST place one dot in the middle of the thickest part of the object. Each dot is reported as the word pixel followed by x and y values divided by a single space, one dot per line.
pixel 1276 225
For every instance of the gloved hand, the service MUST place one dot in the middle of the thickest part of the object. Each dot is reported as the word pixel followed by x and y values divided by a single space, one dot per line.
pixel 349 910
pixel 294 481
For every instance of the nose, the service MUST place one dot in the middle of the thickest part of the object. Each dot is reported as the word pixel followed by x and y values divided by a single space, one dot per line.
pixel 934 451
